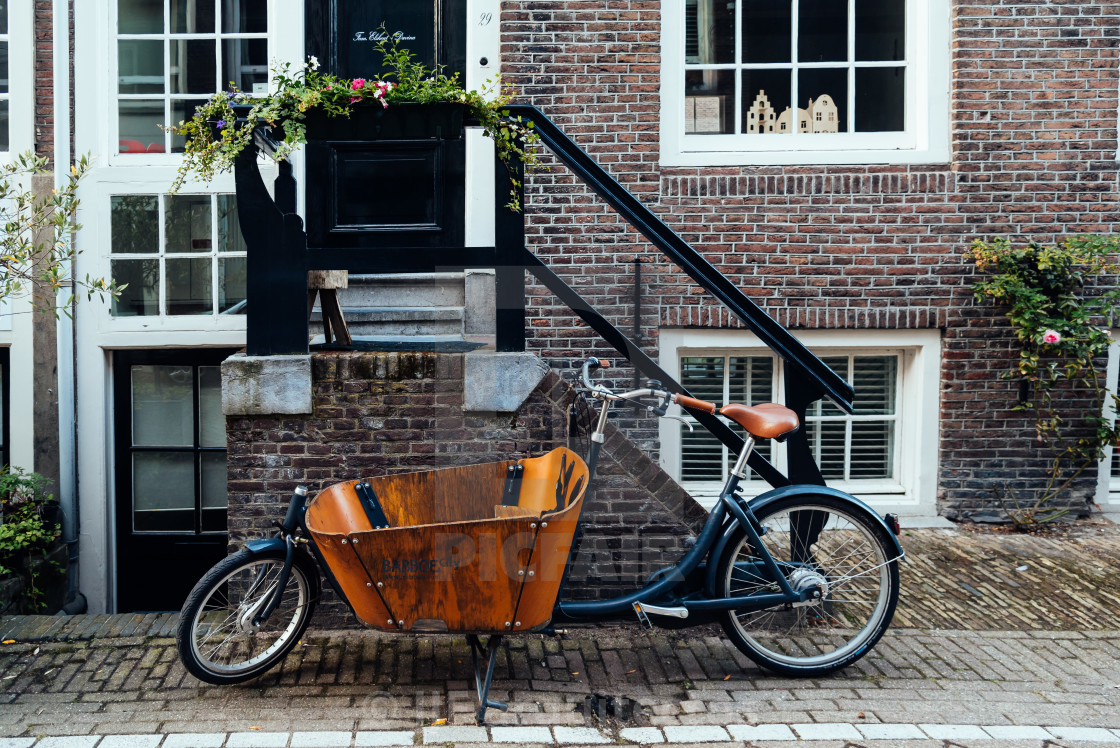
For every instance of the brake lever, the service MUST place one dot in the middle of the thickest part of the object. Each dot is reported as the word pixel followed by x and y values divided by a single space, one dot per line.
pixel 678 418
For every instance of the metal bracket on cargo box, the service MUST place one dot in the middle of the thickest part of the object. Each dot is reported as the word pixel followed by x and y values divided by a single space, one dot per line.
pixel 372 506
pixel 512 491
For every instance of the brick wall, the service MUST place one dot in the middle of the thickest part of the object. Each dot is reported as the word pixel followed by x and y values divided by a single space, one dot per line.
pixel 1033 107
pixel 381 413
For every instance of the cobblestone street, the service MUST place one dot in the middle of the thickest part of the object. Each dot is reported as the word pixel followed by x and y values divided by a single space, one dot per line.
pixel 984 652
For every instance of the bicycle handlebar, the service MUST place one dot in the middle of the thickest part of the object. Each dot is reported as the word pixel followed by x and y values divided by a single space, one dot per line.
pixel 694 403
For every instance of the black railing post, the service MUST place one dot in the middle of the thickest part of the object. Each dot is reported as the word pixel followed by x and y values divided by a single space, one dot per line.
pixel 509 273
pixel 276 265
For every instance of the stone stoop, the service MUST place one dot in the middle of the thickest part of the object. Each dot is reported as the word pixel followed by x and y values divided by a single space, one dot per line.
pixel 440 305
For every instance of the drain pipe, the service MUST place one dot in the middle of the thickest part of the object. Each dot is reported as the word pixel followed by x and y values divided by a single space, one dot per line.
pixel 67 340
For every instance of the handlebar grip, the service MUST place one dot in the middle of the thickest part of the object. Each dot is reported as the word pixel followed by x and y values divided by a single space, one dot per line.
pixel 694 404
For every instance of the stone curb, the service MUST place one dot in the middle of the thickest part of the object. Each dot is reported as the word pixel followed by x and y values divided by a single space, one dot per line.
pixel 884 734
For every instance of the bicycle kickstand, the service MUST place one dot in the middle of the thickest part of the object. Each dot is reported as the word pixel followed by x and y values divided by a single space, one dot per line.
pixel 482 682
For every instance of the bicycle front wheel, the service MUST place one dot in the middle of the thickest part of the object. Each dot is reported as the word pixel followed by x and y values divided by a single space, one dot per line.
pixel 817 541
pixel 217 639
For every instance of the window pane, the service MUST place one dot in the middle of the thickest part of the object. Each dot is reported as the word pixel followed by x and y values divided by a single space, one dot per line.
pixel 4 137
pixel 194 66
pixel 163 492
pixel 182 109
pixel 139 126
pixel 880 30
pixel 701 455
pixel 751 380
pixel 872 449
pixel 212 424
pixel 188 223
pixel 709 31
pixel 213 480
pixel 245 64
pixel 244 16
pixel 232 274
pixel 140 65
pixel 133 224
pixel 140 16
pixel 188 286
pixel 767 29
pixel 766 99
pixel 229 230
pixel 880 99
pixel 838 364
pixel 162 406
pixel 214 492
pixel 703 377
pixel 709 95
pixel 822 33
pixel 192 16
pixel 3 16
pixel 142 295
pixel 874 382
pixel 826 438
pixel 825 92
pixel 3 67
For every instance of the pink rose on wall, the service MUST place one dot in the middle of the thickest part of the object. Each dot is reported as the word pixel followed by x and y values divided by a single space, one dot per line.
pixel 1051 336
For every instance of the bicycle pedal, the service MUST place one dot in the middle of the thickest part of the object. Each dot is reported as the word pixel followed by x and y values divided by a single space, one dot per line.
pixel 642 617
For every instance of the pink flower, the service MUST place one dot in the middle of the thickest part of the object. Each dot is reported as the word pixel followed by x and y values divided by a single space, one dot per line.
pixel 1051 336
pixel 355 99
pixel 358 84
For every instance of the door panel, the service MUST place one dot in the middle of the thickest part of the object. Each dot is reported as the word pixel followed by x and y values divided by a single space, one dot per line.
pixel 385 193
pixel 170 474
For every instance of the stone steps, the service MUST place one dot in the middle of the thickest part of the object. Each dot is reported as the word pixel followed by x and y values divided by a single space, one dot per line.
pixel 444 305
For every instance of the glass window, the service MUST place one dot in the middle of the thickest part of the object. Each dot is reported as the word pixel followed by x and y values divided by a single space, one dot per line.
pixel 721 379
pixel 844 72
pixel 861 446
pixel 179 255
pixel 178 448
pixel 171 56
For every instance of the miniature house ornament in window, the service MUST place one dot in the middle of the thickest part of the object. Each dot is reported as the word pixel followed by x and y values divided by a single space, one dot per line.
pixel 819 116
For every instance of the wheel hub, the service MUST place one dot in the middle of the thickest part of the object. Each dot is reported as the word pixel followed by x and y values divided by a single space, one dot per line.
pixel 802 579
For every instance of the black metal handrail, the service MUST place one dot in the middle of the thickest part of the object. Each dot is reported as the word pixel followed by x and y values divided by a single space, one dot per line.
pixel 772 334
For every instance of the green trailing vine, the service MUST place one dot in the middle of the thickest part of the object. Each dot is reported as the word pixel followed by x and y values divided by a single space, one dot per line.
pixel 215 135
pixel 1063 333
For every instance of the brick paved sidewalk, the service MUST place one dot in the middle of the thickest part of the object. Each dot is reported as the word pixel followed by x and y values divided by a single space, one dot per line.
pixel 119 676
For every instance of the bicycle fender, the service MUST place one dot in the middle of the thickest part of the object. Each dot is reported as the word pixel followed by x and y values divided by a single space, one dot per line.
pixel 806 489
pixel 266 544
pixel 716 554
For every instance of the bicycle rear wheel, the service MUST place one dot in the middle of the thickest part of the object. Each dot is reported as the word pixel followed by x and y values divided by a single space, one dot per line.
pixel 820 541
pixel 217 640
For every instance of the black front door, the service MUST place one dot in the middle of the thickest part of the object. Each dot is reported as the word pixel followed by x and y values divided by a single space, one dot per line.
pixel 390 193
pixel 170 473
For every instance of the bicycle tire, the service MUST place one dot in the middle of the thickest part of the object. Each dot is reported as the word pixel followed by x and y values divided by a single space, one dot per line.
pixel 233 656
pixel 829 634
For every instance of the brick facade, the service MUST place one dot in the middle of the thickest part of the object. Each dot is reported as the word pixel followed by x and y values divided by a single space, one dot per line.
pixel 381 413
pixel 1033 110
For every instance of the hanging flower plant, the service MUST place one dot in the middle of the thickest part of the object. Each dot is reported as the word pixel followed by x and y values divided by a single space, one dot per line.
pixel 216 135
pixel 1063 333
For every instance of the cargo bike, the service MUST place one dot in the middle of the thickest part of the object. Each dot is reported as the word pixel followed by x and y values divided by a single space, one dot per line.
pixel 803 578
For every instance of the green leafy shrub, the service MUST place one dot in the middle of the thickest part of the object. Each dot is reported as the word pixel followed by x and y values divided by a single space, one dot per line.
pixel 25 531
pixel 1059 328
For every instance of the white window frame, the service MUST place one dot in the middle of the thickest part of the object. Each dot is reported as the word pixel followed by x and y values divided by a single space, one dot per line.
pixel 925 140
pixel 914 493
pixel 115 98
pixel 21 78
pixel 1108 483
pixel 224 321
